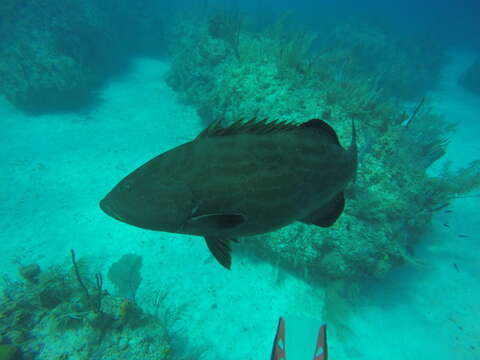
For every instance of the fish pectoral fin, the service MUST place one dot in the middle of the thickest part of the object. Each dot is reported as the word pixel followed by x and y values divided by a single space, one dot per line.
pixel 327 214
pixel 218 221
pixel 220 249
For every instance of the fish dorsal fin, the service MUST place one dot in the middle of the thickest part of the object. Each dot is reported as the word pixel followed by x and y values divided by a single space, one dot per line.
pixel 253 126
pixel 265 126
pixel 328 213
pixel 322 127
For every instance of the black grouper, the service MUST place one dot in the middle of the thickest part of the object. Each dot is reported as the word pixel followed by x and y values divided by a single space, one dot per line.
pixel 245 179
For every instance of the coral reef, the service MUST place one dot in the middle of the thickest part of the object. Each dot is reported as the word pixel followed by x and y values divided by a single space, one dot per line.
pixel 55 306
pixel 125 275
pixel 8 352
pixel 470 79
pixel 277 75
pixel 403 67
pixel 54 54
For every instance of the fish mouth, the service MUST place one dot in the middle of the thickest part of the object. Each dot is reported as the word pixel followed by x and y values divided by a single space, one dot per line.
pixel 108 209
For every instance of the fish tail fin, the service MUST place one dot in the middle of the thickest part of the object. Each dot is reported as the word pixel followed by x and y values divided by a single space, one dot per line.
pixel 353 150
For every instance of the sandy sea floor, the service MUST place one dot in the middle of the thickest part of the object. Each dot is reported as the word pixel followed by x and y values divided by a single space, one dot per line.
pixel 55 168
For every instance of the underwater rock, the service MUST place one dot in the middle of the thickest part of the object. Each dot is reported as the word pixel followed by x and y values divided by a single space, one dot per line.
pixel 101 321
pixel 49 298
pixel 29 272
pixel 8 352
pixel 18 336
pixel 470 79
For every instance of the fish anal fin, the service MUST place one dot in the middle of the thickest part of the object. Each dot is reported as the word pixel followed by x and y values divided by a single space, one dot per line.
pixel 323 127
pixel 220 249
pixel 328 213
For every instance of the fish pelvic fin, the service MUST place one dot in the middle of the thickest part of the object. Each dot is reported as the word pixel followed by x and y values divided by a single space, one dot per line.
pixel 220 249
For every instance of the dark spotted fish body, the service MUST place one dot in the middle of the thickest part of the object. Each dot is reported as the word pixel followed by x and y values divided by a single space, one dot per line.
pixel 245 179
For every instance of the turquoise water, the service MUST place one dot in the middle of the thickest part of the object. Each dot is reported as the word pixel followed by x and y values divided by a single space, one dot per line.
pixel 57 164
